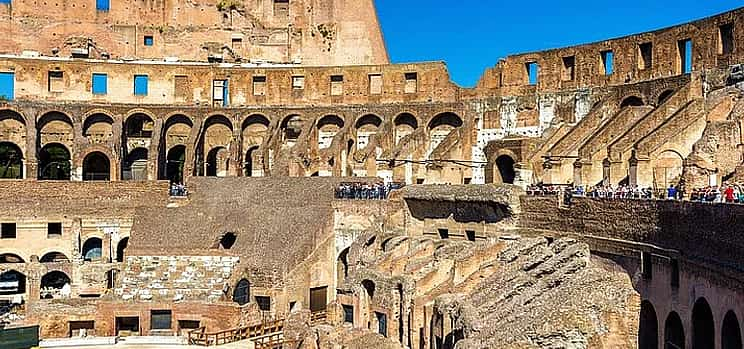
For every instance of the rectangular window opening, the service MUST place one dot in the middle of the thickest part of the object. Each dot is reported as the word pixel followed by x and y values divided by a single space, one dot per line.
pixel 381 323
pixel 100 84
pixel 470 234
pixel 7 86
pixel 149 40
pixel 608 62
pixel 348 313
pixel 646 56
pixel 140 85
pixel 281 7
pixel 160 319
pixel 726 39
pixel 337 85
pixel 54 229
pixel 220 93
pixel 298 82
pixel 7 230
pixel 533 70
pixel 684 48
pixel 675 273
pixel 264 303
pixel 56 82
pixel 569 68
pixel 444 233
pixel 411 82
pixel 375 84
pixel 101 5
pixel 646 266
pixel 259 85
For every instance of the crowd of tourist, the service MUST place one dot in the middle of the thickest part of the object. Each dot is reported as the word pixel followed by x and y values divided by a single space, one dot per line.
pixel 366 191
pixel 178 189
pixel 727 193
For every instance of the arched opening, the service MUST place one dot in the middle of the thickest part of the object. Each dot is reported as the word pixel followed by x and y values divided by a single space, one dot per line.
pixel 440 128
pixel 139 125
pixel 242 292
pixel 505 164
pixel 703 330
pixel 217 162
pixel 92 250
pixel 11 258
pixel 96 167
pixel 328 128
pixel 121 248
pixel 730 332
pixel 366 127
pixel 227 241
pixel 54 257
pixel 631 101
pixel 54 284
pixel 342 266
pixel 648 328
pixel 135 165
pixel 674 333
pixel 98 128
pixel 291 128
pixel 175 160
pixel 54 162
pixel 11 161
pixel 12 282
pixel 55 127
pixel 369 286
pixel 251 159
pixel 667 169
pixel 405 124
pixel 664 96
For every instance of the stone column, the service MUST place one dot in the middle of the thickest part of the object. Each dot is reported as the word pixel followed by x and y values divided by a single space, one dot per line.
pixel 154 161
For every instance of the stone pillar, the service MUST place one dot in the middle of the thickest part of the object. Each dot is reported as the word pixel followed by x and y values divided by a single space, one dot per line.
pixel 617 172
pixel 235 167
pixel 154 165
pixel 76 231
pixel 31 162
pixel 78 141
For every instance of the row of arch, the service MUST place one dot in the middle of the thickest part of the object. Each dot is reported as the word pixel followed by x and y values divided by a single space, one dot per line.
pixel 637 101
pixel 14 282
pixel 703 331
pixel 92 251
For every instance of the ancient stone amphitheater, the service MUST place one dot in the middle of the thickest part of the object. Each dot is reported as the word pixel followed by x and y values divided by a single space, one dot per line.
pixel 264 110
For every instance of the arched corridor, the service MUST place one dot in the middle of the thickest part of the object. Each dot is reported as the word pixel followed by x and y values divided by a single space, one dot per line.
pixel 121 248
pixel 96 167
pixel 405 124
pixel 92 249
pixel 252 159
pixel 12 282
pixel 328 127
pixel 366 127
pixel 731 332
pixel 505 166
pixel 674 332
pixel 703 328
pixel 10 258
pixel 176 159
pixel 54 162
pixel 631 101
pixel 135 165
pixel 217 162
pixel 648 327
pixel 53 284
pixel 54 257
pixel 11 161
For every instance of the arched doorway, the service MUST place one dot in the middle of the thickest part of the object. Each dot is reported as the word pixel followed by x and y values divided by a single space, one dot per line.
pixel 54 162
pixel 10 258
pixel 139 126
pixel 53 284
pixel 731 332
pixel 342 266
pixel 703 330
pixel 98 128
pixel 291 128
pixel 631 101
pixel 96 167
pixel 328 128
pixel 176 158
pixel 674 333
pixel 667 169
pixel 12 282
pixel 92 249
pixel 648 328
pixel 54 257
pixel 366 127
pixel 242 292
pixel 405 124
pixel 250 161
pixel 121 247
pixel 11 161
pixel 135 165
pixel 440 128
pixel 505 165
pixel 217 162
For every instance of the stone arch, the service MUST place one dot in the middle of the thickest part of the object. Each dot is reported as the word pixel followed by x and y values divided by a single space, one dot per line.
pixel 10 258
pixel 369 287
pixel 12 114
pixel 175 161
pixel 242 292
pixel 252 166
pixel 648 327
pixel 731 332
pixel 667 168
pixel 366 127
pixel 176 130
pixel 405 124
pixel 92 249
pixel 703 327
pixel 505 168
pixel 96 167
pixel 664 95
pixel 55 127
pixel 342 266
pixel 98 128
pixel 215 144
pixel 291 128
pixel 121 249
pixel 54 257
pixel 256 119
pixel 449 119
pixel 139 124
pixel 11 161
pixel 53 281
pixel 13 130
pixel 135 164
pixel 217 163
pixel 328 127
pixel 674 332
pixel 255 129
pixel 632 101
pixel 54 162
pixel 12 282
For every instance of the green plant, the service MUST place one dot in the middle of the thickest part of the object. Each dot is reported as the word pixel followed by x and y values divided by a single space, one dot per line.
pixel 230 5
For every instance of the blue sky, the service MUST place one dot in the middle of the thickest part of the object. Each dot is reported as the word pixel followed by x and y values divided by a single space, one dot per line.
pixel 471 35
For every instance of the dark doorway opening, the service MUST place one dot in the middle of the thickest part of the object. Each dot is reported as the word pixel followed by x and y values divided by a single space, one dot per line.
pixel 505 165
pixel 54 163
pixel 96 167
pixel 11 161
pixel 127 326
pixel 175 161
